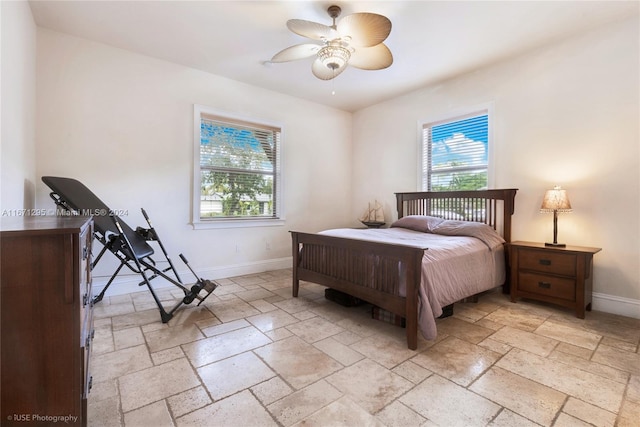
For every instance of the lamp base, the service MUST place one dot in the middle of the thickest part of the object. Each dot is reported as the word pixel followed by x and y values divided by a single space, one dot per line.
pixel 556 245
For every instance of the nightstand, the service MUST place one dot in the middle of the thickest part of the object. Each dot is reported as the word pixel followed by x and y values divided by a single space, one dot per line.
pixel 558 275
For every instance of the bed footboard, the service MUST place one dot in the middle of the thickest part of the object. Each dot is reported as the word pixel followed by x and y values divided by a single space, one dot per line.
pixel 382 274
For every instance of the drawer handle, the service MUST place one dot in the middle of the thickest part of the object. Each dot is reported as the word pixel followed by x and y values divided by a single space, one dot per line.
pixel 544 285
pixel 545 262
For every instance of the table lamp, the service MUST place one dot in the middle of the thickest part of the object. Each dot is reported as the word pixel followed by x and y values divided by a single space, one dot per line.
pixel 555 201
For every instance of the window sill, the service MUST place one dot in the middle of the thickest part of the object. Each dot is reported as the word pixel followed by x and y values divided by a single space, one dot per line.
pixel 236 223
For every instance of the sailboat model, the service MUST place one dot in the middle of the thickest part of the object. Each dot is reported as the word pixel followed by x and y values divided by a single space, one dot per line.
pixel 373 217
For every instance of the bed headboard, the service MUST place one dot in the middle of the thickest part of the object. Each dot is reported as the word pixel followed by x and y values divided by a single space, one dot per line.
pixel 492 207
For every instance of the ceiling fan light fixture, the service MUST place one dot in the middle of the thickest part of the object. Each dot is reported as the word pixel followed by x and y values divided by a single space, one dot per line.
pixel 334 56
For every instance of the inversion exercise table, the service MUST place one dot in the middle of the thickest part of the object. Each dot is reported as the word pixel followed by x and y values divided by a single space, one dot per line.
pixel 131 247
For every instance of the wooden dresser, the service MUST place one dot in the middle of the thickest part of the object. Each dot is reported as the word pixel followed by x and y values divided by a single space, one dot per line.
pixel 46 319
pixel 558 275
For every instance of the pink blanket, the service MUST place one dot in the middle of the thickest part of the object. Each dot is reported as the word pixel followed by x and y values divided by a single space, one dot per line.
pixel 462 260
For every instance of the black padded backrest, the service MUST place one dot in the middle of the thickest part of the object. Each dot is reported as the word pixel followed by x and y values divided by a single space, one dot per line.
pixel 79 198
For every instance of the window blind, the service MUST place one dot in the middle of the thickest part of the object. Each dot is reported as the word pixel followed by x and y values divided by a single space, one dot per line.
pixel 455 153
pixel 240 169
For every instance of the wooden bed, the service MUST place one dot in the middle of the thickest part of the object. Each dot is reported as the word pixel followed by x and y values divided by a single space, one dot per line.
pixel 375 272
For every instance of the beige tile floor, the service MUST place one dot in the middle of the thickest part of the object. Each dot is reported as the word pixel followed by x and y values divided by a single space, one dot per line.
pixel 255 356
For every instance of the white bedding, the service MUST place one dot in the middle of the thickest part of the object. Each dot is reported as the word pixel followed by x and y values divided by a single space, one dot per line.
pixel 454 266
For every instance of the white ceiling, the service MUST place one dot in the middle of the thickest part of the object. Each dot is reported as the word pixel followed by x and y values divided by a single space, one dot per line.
pixel 430 40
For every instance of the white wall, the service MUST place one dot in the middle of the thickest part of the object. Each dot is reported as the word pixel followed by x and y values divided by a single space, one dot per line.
pixel 567 114
pixel 17 190
pixel 122 124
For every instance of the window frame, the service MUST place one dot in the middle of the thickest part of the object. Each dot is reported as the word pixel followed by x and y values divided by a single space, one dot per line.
pixel 460 114
pixel 211 223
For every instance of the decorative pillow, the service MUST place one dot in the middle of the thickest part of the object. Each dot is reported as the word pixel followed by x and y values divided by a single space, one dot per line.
pixel 421 223
pixel 478 230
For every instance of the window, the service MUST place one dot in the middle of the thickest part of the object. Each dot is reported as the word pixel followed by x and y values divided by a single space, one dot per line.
pixel 238 178
pixel 455 153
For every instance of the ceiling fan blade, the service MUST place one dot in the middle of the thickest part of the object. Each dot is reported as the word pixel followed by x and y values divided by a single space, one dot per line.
pixel 364 29
pixel 310 29
pixel 299 51
pixel 323 72
pixel 371 58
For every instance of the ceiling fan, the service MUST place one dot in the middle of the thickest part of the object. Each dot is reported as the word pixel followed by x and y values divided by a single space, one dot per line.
pixel 356 41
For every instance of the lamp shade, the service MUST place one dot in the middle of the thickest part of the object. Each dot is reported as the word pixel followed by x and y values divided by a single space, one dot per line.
pixel 556 200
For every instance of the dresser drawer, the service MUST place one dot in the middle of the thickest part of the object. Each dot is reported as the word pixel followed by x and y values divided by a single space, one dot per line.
pixel 547 262
pixel 551 286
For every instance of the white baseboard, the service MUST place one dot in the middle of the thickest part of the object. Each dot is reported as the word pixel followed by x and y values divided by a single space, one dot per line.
pixel 616 305
pixel 128 283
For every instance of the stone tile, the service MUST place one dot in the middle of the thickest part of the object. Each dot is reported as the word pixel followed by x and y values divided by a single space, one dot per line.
pixel 263 306
pixel 104 413
pixel 591 388
pixel 188 401
pixel 629 414
pixel 149 385
pixel 102 310
pixel 593 367
pixel 250 279
pixel 297 362
pixel 164 356
pixel 124 338
pixel 338 351
pixel 103 341
pixel 496 346
pixel 295 305
pixel 255 294
pixel 398 415
pixel 172 337
pixel 565 420
pixel 369 385
pixel 412 372
pixel 139 318
pixel 633 389
pixel 191 314
pixel 219 347
pixel 299 405
pixel 567 334
pixel 347 337
pixel 517 318
pixel 457 360
pixel 271 390
pixel 239 372
pixel 589 413
pixel 223 328
pixel 608 325
pixel 623 360
pixel 345 410
pixel 464 330
pixel 304 315
pixel 230 310
pixel 444 404
pixel 241 409
pixel 506 418
pixel 517 393
pixel 581 352
pixel 272 320
pixel 120 362
pixel 389 351
pixel 154 415
pixel 103 390
pixel 525 340
pixel 279 334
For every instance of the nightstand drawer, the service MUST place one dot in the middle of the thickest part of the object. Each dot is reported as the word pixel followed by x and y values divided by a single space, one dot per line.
pixel 547 262
pixel 551 286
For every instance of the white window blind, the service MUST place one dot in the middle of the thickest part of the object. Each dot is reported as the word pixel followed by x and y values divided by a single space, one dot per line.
pixel 455 153
pixel 239 169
